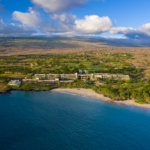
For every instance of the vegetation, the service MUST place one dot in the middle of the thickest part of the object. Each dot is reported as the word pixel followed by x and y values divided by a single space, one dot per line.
pixel 36 87
pixel 79 84
pixel 126 90
pixel 21 66
pixel 69 63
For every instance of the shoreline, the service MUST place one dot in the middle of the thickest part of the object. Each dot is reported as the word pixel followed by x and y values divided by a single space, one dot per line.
pixel 93 94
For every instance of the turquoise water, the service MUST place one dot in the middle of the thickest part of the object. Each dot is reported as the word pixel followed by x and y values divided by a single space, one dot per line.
pixel 61 121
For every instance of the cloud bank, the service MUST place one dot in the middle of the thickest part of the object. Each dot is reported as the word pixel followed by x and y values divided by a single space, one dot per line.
pixel 142 32
pixel 60 21
pixel 15 30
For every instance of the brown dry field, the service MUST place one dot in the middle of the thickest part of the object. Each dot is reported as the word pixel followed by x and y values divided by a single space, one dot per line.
pixel 141 55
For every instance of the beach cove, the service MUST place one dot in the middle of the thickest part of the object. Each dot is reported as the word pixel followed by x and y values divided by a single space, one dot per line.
pixel 93 94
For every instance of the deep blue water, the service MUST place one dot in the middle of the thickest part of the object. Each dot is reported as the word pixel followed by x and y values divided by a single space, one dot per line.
pixel 59 121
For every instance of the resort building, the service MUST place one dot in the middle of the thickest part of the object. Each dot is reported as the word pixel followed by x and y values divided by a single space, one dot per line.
pixel 14 83
pixel 84 77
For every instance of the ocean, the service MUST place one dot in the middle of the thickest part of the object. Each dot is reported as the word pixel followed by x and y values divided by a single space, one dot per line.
pixel 61 121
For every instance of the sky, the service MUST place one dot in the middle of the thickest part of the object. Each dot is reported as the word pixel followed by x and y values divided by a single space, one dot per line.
pixel 128 19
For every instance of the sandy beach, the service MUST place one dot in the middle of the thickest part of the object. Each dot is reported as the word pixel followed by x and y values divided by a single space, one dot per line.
pixel 93 94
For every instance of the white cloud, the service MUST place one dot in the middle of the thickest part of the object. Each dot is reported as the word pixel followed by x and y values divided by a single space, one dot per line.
pixel 31 18
pixel 93 24
pixel 59 5
pixel 136 33
pixel 121 30
pixel 145 29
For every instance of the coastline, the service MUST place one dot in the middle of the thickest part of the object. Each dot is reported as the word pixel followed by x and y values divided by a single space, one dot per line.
pixel 93 94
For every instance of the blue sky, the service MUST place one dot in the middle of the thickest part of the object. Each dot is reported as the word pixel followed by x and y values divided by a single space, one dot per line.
pixel 125 12
pixel 127 18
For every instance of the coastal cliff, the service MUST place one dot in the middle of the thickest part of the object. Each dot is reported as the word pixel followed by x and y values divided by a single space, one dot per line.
pixel 3 88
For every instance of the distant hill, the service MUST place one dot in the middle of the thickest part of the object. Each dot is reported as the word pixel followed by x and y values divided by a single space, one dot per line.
pixel 66 42
pixel 63 45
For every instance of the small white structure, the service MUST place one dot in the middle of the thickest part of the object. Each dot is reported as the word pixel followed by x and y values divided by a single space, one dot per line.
pixel 14 83
pixel 57 79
